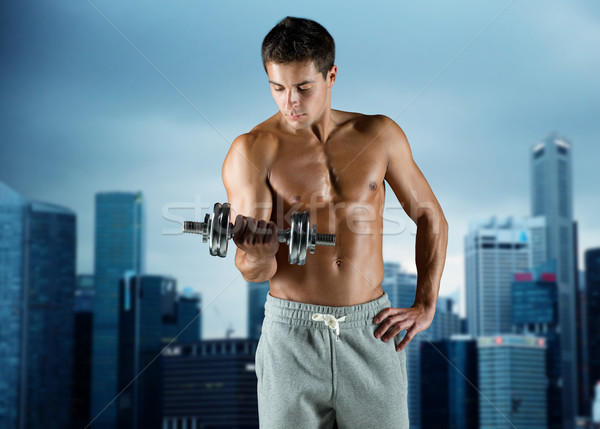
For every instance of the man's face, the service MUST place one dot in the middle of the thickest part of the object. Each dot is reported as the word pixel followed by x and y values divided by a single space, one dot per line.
pixel 300 91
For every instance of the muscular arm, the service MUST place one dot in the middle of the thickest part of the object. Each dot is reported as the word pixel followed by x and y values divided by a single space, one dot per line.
pixel 245 178
pixel 419 202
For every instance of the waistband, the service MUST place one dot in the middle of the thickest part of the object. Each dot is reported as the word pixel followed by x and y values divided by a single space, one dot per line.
pixel 305 314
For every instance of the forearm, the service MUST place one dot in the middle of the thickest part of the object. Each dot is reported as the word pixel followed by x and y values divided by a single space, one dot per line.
pixel 255 269
pixel 431 244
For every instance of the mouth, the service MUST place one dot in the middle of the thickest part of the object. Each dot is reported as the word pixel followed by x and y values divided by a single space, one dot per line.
pixel 295 117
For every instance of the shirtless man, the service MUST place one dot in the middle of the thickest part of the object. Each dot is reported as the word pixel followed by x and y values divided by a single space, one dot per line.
pixel 325 353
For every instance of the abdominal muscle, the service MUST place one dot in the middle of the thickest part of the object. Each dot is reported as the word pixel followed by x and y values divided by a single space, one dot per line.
pixel 348 274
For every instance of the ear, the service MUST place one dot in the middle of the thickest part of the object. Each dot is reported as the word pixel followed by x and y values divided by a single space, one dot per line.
pixel 331 76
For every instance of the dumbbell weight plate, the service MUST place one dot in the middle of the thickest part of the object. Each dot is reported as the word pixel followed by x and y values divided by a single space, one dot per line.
pixel 303 244
pixel 299 235
pixel 213 239
pixel 224 229
pixel 292 246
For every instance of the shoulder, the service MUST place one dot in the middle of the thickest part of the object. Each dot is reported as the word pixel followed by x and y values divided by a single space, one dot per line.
pixel 388 133
pixel 374 125
pixel 252 150
pixel 383 135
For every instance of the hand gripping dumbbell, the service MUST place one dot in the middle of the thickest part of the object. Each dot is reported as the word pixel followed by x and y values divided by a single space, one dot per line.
pixel 217 230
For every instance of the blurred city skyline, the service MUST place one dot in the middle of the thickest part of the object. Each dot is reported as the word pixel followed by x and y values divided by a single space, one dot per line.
pixel 102 96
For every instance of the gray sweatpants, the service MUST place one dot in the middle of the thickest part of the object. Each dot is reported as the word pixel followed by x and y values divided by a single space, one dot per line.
pixel 318 364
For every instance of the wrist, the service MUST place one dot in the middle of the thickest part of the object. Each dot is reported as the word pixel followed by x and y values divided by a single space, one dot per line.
pixel 427 307
pixel 259 259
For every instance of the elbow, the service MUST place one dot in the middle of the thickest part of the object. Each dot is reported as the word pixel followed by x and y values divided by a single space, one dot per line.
pixel 434 220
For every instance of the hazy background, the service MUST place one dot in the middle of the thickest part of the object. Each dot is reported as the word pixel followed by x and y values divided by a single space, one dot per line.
pixel 128 96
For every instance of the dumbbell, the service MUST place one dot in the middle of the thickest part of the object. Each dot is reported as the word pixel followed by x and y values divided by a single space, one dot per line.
pixel 217 230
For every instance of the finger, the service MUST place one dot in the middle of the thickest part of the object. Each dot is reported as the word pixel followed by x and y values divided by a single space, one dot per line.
pixel 382 315
pixel 395 330
pixel 262 231
pixel 388 323
pixel 386 312
pixel 239 229
pixel 273 236
pixel 407 339
pixel 251 224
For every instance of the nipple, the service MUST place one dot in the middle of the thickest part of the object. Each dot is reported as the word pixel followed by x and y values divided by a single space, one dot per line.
pixel 372 186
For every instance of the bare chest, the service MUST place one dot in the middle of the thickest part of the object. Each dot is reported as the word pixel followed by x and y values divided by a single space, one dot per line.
pixel 338 170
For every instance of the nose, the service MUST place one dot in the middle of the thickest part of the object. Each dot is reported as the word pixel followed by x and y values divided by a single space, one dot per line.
pixel 291 100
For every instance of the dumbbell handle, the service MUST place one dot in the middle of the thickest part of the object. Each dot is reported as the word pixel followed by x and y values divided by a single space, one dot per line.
pixel 301 238
pixel 283 235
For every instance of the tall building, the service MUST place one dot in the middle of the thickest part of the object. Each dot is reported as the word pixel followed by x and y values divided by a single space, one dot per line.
pixel 401 288
pixel 512 381
pixel 552 197
pixel 147 307
pixel 37 274
pixel 445 322
pixel 592 285
pixel 182 321
pixel 119 248
pixel 82 351
pixel 582 353
pixel 257 296
pixel 535 311
pixel 449 396
pixel 495 249
pixel 210 384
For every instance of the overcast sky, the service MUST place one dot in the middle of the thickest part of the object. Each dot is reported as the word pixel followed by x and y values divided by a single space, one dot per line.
pixel 128 96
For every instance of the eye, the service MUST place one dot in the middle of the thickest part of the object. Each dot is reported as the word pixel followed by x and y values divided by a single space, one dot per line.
pixel 278 89
pixel 303 89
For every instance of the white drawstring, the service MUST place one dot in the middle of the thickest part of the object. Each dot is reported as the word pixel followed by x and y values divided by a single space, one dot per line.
pixel 330 321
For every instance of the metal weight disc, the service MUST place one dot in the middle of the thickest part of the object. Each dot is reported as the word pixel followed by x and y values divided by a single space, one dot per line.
pixel 223 229
pixel 293 244
pixel 303 242
pixel 213 240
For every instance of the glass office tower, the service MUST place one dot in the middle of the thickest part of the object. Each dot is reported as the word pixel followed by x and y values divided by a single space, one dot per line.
pixel 552 197
pixel 37 273
pixel 512 381
pixel 257 296
pixel 119 248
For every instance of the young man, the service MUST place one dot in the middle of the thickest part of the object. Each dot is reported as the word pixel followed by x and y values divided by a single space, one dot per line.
pixel 330 349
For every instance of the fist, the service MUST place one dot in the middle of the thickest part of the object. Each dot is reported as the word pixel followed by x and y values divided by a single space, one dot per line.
pixel 257 238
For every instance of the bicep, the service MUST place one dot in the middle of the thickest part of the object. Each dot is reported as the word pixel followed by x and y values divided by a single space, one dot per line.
pixel 405 178
pixel 245 180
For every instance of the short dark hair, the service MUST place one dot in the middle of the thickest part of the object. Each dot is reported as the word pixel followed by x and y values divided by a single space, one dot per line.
pixel 299 40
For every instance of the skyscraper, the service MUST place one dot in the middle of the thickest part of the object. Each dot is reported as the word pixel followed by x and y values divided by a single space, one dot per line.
pixel 37 273
pixel 257 295
pixel 592 284
pixel 552 197
pixel 401 288
pixel 210 384
pixel 512 381
pixel 119 248
pixel 494 250
pixel 449 380
pixel 535 311
pixel 146 307
pixel 181 319
pixel 82 351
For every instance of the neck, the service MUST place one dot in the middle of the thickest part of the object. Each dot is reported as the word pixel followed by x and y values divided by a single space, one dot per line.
pixel 321 128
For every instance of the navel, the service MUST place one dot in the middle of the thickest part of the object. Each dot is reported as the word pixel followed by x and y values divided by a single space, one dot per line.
pixel 373 186
pixel 338 262
pixel 296 198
